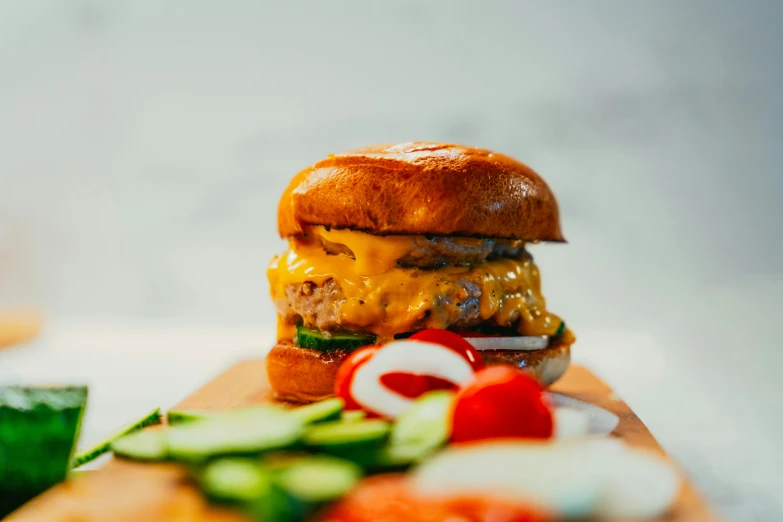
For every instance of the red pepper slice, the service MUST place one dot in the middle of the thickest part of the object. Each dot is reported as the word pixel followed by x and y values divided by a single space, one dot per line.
pixel 387 380
pixel 342 382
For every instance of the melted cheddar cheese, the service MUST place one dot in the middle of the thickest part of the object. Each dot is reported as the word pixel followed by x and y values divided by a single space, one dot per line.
pixel 373 254
pixel 386 299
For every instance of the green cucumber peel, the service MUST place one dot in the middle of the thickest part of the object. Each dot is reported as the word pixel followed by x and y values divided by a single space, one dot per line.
pixel 96 450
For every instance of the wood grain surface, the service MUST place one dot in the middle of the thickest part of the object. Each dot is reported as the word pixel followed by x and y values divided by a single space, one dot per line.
pixel 125 491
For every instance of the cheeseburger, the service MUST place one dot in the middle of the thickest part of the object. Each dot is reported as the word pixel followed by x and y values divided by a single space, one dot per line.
pixel 389 240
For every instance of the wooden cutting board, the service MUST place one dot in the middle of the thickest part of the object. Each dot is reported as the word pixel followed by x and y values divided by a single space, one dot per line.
pixel 125 491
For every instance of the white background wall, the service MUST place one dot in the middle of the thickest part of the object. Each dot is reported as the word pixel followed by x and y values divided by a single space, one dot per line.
pixel 143 148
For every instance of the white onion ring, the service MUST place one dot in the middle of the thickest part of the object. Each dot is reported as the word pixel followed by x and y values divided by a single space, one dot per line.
pixel 578 478
pixel 416 357
pixel 538 342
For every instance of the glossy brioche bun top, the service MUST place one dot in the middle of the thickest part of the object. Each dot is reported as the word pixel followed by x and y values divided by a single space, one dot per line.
pixel 422 189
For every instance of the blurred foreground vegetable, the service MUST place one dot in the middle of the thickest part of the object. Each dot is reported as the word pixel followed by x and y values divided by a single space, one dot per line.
pixel 38 429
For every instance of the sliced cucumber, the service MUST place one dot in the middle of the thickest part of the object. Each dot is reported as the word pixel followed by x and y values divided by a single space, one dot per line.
pixel 243 432
pixel 315 340
pixel 38 429
pixel 353 416
pixel 96 450
pixel 174 417
pixel 396 456
pixel 147 445
pixel 416 435
pixel 235 480
pixel 326 410
pixel 320 478
pixel 249 486
pixel 341 435
pixel 426 421
pixel 279 460
pixel 390 457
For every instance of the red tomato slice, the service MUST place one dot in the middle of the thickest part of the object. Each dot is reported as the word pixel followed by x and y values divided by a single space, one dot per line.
pixel 452 341
pixel 501 402
pixel 342 381
pixel 412 385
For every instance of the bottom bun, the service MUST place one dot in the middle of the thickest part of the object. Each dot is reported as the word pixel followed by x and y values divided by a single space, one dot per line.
pixel 303 375
pixel 546 365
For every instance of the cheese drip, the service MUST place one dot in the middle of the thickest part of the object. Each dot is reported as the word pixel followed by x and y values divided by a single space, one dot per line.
pixel 373 254
pixel 386 299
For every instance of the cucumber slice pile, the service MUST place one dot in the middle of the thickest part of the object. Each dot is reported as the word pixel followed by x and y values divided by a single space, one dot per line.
pixel 38 429
pixel 285 464
pixel 95 451
pixel 315 340
pixel 375 445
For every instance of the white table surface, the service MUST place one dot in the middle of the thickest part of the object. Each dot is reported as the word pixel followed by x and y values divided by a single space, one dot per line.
pixel 132 367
